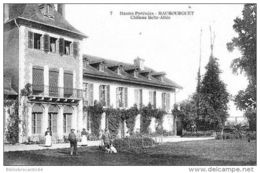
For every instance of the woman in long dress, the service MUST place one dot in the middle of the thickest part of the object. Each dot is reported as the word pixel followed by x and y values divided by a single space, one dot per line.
pixel 84 138
pixel 48 140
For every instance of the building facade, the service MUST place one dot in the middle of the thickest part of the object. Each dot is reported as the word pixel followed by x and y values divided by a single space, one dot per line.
pixel 42 49
pixel 121 85
pixel 43 54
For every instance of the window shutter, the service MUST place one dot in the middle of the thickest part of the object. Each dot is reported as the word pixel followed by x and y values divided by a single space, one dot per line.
pixel 154 99
pixel 141 97
pixel 39 122
pixel 117 97
pixel 91 94
pixel 61 46
pixel 163 102
pixel 53 82
pixel 69 117
pixel 64 124
pixel 54 123
pixel 136 97
pixel 108 95
pixel 33 122
pixel 151 97
pixel 38 84
pixel 75 49
pixel 126 97
pixel 46 38
pixel 100 94
pixel 168 101
pixel 30 39
pixel 68 84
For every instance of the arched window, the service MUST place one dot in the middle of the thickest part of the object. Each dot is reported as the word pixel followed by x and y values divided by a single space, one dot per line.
pixel 37 112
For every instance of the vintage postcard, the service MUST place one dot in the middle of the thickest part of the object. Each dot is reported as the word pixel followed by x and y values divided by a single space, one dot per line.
pixel 129 84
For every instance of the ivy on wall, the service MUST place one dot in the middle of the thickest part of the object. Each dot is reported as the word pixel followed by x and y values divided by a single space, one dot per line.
pixel 95 113
pixel 147 113
pixel 116 116
pixel 130 115
pixel 12 133
pixel 113 119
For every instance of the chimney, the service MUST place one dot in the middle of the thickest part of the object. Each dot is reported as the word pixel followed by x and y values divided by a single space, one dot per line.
pixel 61 9
pixel 139 63
pixel 6 12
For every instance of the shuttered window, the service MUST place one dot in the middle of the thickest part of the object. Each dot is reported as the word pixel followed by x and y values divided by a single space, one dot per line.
pixel 53 122
pixel 53 44
pixel 61 46
pixel 38 80
pixel 30 39
pixel 104 95
pixel 138 97
pixel 126 97
pixel 46 39
pixel 53 82
pixel 67 122
pixel 152 98
pixel 75 49
pixel 166 101
pixel 68 84
pixel 36 123
pixel 90 94
pixel 121 97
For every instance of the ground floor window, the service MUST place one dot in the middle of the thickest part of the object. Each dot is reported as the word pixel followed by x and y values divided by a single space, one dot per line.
pixel 52 122
pixel 67 122
pixel 36 123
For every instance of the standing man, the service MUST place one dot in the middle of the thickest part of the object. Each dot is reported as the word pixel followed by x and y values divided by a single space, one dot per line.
pixel 73 142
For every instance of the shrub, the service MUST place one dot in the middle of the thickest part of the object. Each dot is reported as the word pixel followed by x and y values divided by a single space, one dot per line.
pixel 198 133
pixel 133 144
pixel 92 137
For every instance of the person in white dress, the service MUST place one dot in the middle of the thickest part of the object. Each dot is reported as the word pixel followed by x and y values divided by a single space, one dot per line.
pixel 84 137
pixel 48 140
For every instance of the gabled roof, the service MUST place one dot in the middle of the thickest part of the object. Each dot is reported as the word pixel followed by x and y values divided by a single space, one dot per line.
pixel 32 13
pixel 108 74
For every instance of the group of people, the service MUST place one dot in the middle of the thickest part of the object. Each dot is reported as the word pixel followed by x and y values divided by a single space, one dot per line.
pixel 107 142
pixel 83 137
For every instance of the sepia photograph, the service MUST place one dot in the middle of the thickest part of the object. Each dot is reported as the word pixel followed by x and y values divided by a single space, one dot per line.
pixel 129 84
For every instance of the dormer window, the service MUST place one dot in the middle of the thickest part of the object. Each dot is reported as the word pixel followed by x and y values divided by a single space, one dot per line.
pixel 118 70
pixel 136 74
pixel 149 76
pixel 159 76
pixel 101 67
pixel 85 63
pixel 47 10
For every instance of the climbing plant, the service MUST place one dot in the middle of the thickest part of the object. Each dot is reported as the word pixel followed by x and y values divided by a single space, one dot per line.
pixel 25 92
pixel 12 133
pixel 95 113
pixel 130 115
pixel 147 113
pixel 113 119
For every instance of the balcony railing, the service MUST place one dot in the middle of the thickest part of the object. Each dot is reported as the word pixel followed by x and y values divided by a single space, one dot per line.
pixel 50 91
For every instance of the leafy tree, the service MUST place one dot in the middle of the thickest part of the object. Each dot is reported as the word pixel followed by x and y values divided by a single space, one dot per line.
pixel 246 43
pixel 12 134
pixel 214 97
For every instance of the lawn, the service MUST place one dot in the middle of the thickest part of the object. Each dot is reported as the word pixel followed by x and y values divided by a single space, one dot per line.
pixel 198 153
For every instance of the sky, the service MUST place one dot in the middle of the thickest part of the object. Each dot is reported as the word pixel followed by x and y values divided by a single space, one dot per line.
pixel 169 45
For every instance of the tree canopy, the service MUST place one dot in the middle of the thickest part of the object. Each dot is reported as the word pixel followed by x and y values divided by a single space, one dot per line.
pixel 246 63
